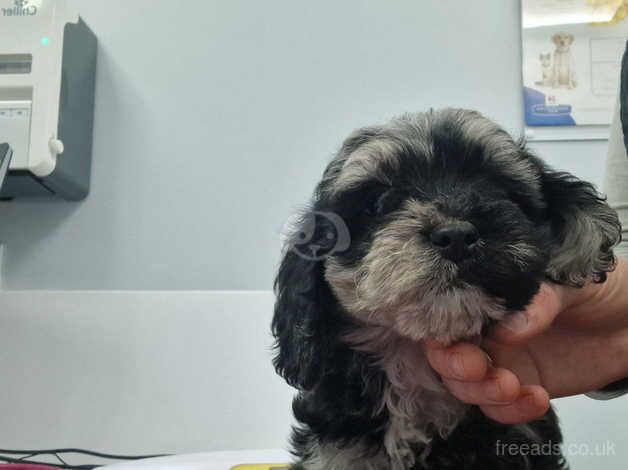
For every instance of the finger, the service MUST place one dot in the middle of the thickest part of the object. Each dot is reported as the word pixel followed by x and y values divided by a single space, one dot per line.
pixel 539 315
pixel 500 387
pixel 531 404
pixel 462 361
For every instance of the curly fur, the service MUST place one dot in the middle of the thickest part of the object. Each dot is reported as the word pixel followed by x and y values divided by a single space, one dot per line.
pixel 350 324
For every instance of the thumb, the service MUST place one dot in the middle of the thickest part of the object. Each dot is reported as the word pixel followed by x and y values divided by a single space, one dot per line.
pixel 536 318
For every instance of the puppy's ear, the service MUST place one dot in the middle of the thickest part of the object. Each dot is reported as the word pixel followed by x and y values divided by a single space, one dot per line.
pixel 301 323
pixel 556 38
pixel 584 229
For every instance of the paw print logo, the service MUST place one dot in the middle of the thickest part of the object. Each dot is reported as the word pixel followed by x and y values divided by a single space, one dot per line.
pixel 21 3
pixel 318 235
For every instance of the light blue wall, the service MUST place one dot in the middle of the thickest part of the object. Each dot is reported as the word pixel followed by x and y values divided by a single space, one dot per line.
pixel 215 118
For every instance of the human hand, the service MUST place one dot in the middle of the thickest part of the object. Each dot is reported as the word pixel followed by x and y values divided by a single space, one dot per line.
pixel 568 341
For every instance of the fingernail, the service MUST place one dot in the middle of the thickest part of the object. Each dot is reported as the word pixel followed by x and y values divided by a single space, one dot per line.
pixel 457 366
pixel 493 392
pixel 529 402
pixel 489 359
pixel 517 322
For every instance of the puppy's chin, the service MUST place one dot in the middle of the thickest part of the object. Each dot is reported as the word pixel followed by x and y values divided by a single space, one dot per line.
pixel 453 315
pixel 446 312
pixel 446 315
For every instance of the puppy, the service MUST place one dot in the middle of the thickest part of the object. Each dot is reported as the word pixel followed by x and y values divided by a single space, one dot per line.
pixel 445 225
pixel 564 68
pixel 547 70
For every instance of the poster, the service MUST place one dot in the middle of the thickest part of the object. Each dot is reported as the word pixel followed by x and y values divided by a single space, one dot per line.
pixel 572 51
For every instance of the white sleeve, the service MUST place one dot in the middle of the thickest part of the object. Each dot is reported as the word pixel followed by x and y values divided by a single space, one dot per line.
pixel 616 179
pixel 616 188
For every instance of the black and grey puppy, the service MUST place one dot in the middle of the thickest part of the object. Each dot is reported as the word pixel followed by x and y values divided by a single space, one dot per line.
pixel 431 226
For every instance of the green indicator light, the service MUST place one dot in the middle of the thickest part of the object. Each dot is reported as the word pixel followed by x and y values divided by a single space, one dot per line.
pixel 45 41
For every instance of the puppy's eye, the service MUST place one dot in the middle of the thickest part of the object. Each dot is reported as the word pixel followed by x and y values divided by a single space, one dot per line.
pixel 387 202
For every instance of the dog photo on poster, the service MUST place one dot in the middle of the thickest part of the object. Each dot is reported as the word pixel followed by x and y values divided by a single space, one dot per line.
pixel 572 52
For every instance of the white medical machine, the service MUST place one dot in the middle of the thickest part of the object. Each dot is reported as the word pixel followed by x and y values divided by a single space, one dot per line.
pixel 47 81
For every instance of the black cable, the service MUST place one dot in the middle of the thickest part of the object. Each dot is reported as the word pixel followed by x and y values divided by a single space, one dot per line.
pixel 6 459
pixel 81 451
pixel 64 465
pixel 57 456
pixel 60 459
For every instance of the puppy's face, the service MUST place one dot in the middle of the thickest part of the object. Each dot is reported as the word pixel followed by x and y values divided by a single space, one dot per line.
pixel 450 226
pixel 432 225
pixel 563 41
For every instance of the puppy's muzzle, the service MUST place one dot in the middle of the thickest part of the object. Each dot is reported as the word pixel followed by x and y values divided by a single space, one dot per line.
pixel 455 240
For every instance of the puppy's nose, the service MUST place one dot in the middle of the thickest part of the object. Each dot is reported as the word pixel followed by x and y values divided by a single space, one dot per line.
pixel 454 240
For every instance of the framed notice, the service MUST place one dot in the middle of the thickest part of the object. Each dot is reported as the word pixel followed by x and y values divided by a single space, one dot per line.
pixel 572 51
